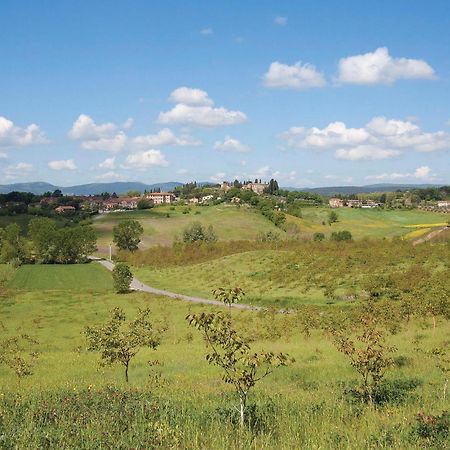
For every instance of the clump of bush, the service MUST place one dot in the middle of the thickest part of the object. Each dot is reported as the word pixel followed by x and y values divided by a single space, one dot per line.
pixel 122 278
pixel 197 233
pixel 343 235
pixel 318 237
pixel 433 429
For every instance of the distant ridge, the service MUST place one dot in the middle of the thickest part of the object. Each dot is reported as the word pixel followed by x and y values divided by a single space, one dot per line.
pixel 121 187
pixel 368 189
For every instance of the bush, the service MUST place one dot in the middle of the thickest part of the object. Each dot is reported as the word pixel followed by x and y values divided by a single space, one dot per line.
pixel 143 203
pixel 197 233
pixel 122 277
pixel 319 237
pixel 343 235
pixel 434 429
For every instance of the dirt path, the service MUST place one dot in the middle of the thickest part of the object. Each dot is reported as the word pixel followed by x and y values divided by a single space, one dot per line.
pixel 429 236
pixel 137 285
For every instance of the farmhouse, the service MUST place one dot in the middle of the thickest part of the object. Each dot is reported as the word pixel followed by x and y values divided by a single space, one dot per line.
pixel 354 203
pixel 443 204
pixel 64 209
pixel 160 198
pixel 258 188
pixel 336 202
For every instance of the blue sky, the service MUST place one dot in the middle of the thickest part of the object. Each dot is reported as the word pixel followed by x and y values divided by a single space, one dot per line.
pixel 312 93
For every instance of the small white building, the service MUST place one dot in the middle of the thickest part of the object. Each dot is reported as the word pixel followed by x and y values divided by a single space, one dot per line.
pixel 160 198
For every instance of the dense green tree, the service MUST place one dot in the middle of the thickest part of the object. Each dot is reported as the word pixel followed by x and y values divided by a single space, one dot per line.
pixel 144 203
pixel 122 278
pixel 75 244
pixel 42 232
pixel 13 246
pixel 127 234
pixel 197 233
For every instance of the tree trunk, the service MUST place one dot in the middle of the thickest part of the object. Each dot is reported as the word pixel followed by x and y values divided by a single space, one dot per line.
pixel 126 372
pixel 242 401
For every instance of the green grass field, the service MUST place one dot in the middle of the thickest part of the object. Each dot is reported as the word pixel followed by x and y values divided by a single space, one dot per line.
pixel 301 406
pixel 80 277
pixel 242 223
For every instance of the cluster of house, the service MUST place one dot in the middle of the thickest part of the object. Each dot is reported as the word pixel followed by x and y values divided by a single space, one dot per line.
pixel 258 188
pixel 443 205
pixel 101 204
pixel 340 203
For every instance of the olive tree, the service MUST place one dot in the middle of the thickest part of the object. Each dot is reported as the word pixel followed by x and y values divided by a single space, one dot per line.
pixel 118 341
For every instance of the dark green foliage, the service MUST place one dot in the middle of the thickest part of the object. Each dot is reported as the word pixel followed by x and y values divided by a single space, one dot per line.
pixel 343 235
pixel 197 233
pixel 318 237
pixel 12 245
pixel 332 217
pixel 122 278
pixel 143 203
pixel 433 429
pixel 127 235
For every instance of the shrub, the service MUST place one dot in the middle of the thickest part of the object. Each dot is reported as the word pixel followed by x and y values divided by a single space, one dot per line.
pixel 433 429
pixel 197 233
pixel 343 235
pixel 127 235
pixel 122 277
pixel 318 237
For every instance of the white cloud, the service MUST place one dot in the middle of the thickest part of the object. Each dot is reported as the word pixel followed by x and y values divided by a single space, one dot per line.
pixel 108 163
pixel 165 137
pixel 190 96
pixel 144 160
pixel 67 164
pixel 379 67
pixel 14 136
pixel 182 171
pixel 194 107
pixel 19 170
pixel 421 173
pixel 218 177
pixel 128 123
pixel 98 137
pixel 231 145
pixel 297 76
pixel 110 176
pixel 206 31
pixel 280 20
pixel 380 138
pixel 203 116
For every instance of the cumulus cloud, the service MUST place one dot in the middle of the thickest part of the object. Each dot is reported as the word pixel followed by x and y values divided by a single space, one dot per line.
pixel 280 20
pixel 231 145
pixel 14 136
pixel 190 96
pixel 298 76
pixel 64 164
pixel 128 123
pixel 194 107
pixel 108 163
pixel 145 159
pixel 380 138
pixel 165 137
pixel 379 67
pixel 421 173
pixel 19 170
pixel 105 136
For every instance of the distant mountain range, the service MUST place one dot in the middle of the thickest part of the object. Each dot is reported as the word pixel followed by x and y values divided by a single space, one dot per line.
pixel 121 187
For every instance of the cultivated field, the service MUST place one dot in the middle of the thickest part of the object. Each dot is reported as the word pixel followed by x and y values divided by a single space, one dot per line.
pixel 72 402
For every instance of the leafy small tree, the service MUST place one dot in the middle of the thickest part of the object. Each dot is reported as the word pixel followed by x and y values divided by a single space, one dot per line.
pixel 197 233
pixel 15 353
pixel 242 367
pixel 144 203
pixel 332 217
pixel 122 278
pixel 369 356
pixel 229 296
pixel 118 344
pixel 441 356
pixel 127 234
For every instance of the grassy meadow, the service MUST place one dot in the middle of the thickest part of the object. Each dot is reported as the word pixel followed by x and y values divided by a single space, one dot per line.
pixel 70 401
pixel 163 224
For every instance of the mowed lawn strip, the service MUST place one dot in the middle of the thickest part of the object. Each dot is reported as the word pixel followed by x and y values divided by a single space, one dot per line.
pixel 71 277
